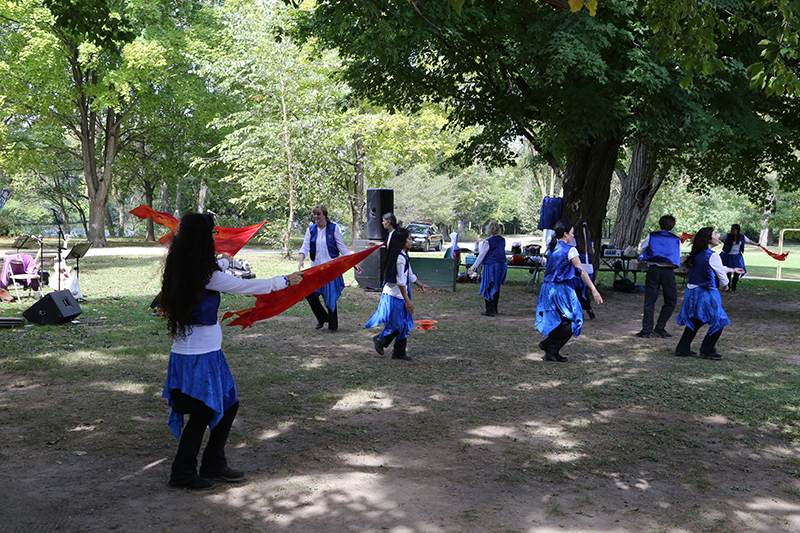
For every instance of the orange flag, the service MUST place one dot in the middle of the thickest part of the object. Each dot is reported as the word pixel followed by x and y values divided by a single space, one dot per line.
pixel 274 303
pixel 779 257
pixel 228 240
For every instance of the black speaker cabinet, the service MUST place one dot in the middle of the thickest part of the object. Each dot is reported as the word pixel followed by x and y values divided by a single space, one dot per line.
pixel 372 276
pixel 379 202
pixel 58 307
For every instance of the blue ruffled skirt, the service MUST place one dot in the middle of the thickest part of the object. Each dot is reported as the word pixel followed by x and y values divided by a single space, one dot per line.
pixel 705 305
pixel 557 300
pixel 205 377
pixel 331 292
pixel 732 260
pixel 394 316
pixel 492 277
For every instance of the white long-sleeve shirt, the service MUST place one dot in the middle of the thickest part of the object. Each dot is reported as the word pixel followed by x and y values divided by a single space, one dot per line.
pixel 203 339
pixel 322 255
pixel 403 278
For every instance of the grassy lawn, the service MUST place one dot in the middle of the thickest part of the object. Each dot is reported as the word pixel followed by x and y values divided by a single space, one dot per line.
pixel 476 434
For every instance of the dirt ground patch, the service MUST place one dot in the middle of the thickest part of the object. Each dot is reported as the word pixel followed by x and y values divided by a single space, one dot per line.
pixel 477 434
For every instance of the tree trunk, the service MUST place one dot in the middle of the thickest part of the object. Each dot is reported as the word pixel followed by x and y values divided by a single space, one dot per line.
pixel 149 190
pixel 178 197
pixel 587 185
pixel 163 194
pixel 109 220
pixel 639 187
pixel 356 195
pixel 201 196
pixel 765 235
pixel 289 175
pixel 121 206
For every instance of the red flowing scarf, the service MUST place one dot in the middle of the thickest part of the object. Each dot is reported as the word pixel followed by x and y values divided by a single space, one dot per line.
pixel 274 303
pixel 779 257
pixel 228 240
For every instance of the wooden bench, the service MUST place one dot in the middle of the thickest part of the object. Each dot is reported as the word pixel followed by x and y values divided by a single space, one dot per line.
pixel 436 273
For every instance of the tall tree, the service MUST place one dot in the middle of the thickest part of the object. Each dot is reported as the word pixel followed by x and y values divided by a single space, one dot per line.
pixel 83 69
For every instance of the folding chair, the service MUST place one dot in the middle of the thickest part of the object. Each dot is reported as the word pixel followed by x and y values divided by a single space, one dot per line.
pixel 20 270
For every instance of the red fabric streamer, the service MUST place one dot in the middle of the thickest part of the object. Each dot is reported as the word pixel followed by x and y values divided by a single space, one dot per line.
pixel 274 303
pixel 228 240
pixel 686 236
pixel 779 257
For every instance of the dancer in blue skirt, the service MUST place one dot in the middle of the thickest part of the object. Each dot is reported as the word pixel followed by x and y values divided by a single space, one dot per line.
pixel 701 301
pixel 199 382
pixel 732 253
pixel 395 309
pixel 493 258
pixel 558 312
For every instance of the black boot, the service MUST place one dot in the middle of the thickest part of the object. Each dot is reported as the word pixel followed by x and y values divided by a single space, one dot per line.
pixel 489 308
pixel 684 348
pixel 496 302
pixel 399 351
pixel 333 319
pixel 317 309
pixel 708 349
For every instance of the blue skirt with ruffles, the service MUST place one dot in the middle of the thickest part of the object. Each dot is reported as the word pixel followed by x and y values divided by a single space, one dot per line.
pixel 705 305
pixel 394 316
pixel 557 300
pixel 732 260
pixel 205 377
pixel 492 277
pixel 331 292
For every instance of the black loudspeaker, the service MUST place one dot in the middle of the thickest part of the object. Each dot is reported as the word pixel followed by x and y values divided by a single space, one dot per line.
pixel 372 276
pixel 57 307
pixel 379 202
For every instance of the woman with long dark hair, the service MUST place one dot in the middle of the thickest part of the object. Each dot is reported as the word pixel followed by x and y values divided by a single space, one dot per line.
pixel 395 309
pixel 558 312
pixel 199 382
pixel 702 303
pixel 732 254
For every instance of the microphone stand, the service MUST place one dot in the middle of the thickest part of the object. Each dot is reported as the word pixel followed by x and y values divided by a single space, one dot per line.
pixel 57 218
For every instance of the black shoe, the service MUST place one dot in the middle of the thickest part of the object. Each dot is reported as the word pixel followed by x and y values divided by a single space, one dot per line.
pixel 320 325
pixel 196 483
pixel 404 357
pixel 644 334
pixel 229 474
pixel 487 313
pixel 557 357
pixel 590 312
pixel 714 356
pixel 376 342
pixel 331 330
pixel 686 354
pixel 664 334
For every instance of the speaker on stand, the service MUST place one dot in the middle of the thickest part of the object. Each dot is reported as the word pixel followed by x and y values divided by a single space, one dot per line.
pixel 379 202
pixel 57 307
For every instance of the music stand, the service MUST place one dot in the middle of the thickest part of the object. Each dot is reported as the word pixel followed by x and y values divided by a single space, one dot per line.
pixel 26 242
pixel 78 251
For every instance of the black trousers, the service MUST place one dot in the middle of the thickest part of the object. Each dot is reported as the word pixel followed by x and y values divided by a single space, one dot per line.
pixel 399 349
pixel 709 345
pixel 557 338
pixel 323 314
pixel 659 278
pixel 491 305
pixel 184 467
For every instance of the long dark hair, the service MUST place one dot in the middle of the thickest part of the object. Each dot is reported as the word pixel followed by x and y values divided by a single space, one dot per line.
pixel 190 262
pixel 562 226
pixel 738 235
pixel 396 246
pixel 700 243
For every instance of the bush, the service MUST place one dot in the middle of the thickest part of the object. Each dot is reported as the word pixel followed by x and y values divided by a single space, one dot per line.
pixel 7 227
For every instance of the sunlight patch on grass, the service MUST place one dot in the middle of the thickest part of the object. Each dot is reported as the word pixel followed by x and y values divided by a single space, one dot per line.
pixel 562 457
pixel 124 386
pixel 353 459
pixel 493 431
pixel 275 433
pixel 362 400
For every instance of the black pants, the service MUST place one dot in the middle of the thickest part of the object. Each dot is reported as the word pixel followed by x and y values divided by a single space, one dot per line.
pixel 709 345
pixel 323 314
pixel 399 349
pixel 733 279
pixel 184 467
pixel 557 338
pixel 586 303
pixel 491 305
pixel 659 278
